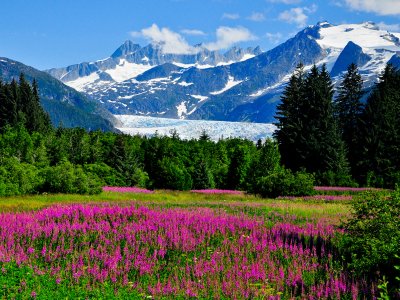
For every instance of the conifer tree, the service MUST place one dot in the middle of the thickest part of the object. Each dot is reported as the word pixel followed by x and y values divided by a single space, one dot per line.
pixel 24 99
pixel 41 119
pixel 290 123
pixel 381 131
pixel 349 109
pixel 307 134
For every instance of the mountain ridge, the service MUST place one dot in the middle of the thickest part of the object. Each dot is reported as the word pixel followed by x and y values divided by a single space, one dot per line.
pixel 66 106
pixel 146 82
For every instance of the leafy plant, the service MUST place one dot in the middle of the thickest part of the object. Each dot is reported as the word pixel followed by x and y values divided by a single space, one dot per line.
pixel 370 244
pixel 285 183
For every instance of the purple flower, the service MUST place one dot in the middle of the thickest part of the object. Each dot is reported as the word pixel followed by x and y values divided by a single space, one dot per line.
pixel 342 189
pixel 126 189
pixel 216 191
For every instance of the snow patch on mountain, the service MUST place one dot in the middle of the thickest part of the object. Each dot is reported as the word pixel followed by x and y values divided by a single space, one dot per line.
pixel 181 110
pixel 360 34
pixel 192 129
pixel 200 97
pixel 80 83
pixel 184 83
pixel 247 56
pixel 230 84
pixel 126 70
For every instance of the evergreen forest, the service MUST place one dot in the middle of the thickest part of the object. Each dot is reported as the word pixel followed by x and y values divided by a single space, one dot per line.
pixel 341 137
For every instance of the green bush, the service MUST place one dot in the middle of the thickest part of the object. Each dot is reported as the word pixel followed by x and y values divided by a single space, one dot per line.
pixel 370 245
pixel 139 178
pixel 330 178
pixel 18 178
pixel 107 175
pixel 173 175
pixel 71 179
pixel 285 183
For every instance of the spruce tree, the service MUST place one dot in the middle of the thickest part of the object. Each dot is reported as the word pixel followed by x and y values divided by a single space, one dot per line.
pixel 307 134
pixel 24 100
pixel 40 118
pixel 13 96
pixel 290 122
pixel 349 109
pixel 380 163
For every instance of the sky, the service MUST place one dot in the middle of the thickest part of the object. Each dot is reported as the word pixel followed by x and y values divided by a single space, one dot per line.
pixel 57 33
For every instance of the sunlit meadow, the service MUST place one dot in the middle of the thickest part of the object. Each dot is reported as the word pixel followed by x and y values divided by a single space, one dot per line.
pixel 173 245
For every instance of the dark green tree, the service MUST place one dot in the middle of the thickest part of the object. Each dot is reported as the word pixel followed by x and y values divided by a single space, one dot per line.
pixel 240 162
pixel 324 149
pixel 39 119
pixel 349 109
pixel 290 121
pixel 308 134
pixel 9 107
pixel 380 158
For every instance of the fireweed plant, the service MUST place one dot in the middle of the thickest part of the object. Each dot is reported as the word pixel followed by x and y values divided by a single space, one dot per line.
pixel 136 251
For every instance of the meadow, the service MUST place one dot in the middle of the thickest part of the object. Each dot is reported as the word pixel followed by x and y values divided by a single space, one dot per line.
pixel 173 245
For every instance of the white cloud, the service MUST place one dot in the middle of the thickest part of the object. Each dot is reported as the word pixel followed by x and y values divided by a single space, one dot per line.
pixel 389 27
pixel 230 16
pixel 136 34
pixel 174 43
pixel 274 38
pixel 285 1
pixel 228 36
pixel 193 32
pixel 381 7
pixel 297 15
pixel 257 17
pixel 170 41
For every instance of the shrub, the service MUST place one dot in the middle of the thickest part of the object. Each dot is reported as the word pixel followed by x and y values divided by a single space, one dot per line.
pixel 331 178
pixel 105 173
pixel 371 240
pixel 173 175
pixel 285 183
pixel 18 178
pixel 140 178
pixel 68 178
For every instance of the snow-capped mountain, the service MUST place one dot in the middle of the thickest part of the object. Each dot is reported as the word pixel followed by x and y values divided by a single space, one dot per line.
pixel 240 85
pixel 131 60
pixel 66 106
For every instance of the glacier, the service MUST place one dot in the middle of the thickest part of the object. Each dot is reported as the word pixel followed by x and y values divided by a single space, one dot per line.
pixel 192 129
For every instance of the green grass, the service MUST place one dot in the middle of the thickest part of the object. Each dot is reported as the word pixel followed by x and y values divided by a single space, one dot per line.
pixel 18 282
pixel 249 204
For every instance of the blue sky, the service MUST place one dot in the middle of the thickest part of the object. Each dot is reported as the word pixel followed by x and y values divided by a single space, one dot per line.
pixel 55 33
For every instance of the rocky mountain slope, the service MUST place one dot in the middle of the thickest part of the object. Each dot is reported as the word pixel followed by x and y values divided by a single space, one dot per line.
pixel 240 85
pixel 66 106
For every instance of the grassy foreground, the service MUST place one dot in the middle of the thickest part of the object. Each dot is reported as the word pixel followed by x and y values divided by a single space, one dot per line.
pixel 333 211
pixel 174 245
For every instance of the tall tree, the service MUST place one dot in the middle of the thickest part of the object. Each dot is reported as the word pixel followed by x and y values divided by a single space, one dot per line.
pixel 349 109
pixel 290 121
pixel 307 134
pixel 40 119
pixel 381 131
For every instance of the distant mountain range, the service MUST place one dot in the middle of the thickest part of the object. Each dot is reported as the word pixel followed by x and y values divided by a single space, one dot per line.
pixel 239 85
pixel 66 106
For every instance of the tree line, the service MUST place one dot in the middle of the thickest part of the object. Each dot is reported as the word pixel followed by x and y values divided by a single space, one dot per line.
pixel 342 140
pixel 318 141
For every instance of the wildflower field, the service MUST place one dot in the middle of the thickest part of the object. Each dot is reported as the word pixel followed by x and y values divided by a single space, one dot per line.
pixel 173 245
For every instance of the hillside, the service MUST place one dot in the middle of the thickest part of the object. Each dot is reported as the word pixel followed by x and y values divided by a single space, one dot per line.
pixel 66 106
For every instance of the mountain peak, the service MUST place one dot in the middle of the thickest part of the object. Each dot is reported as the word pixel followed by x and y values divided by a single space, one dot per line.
pixel 370 25
pixel 324 24
pixel 352 53
pixel 128 47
